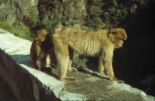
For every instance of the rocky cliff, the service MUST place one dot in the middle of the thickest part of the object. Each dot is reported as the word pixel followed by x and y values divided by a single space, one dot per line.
pixel 92 13
pixel 13 10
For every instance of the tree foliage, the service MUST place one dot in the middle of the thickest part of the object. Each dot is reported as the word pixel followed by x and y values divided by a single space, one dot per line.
pixel 95 14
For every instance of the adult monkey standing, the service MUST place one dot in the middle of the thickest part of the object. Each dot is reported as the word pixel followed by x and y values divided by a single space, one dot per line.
pixel 100 43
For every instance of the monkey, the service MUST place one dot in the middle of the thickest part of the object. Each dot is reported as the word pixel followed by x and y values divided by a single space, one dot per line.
pixel 101 43
pixel 41 50
pixel 36 51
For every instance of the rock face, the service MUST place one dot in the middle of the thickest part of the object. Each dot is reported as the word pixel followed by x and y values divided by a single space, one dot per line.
pixel 95 14
pixel 63 10
pixel 14 10
pixel 28 84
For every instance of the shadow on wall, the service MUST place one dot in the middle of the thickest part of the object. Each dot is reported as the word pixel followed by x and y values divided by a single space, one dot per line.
pixel 24 59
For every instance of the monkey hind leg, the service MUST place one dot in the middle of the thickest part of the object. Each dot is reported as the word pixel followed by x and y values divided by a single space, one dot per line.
pixel 63 63
pixel 61 50
pixel 62 70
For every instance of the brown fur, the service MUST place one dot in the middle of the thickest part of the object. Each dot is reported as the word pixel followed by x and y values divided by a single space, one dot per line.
pixel 42 48
pixel 88 43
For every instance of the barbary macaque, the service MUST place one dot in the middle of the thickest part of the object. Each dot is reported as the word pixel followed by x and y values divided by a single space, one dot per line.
pixel 41 49
pixel 99 43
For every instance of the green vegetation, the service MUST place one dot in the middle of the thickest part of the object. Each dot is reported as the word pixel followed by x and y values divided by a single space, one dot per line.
pixel 79 61
pixel 20 31
pixel 50 24
pixel 32 14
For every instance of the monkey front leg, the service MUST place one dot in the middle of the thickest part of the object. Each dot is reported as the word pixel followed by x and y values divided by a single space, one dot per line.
pixel 107 60
pixel 109 70
pixel 36 55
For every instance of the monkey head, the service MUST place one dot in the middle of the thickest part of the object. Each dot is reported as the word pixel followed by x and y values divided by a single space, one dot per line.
pixel 41 35
pixel 117 36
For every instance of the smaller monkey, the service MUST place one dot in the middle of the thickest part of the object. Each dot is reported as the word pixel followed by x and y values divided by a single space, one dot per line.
pixel 41 49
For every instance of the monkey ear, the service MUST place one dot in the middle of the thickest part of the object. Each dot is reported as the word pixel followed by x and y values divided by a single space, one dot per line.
pixel 111 30
pixel 122 34
pixel 119 33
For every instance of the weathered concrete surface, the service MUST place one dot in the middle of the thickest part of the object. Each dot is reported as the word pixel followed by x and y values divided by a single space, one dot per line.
pixel 29 84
